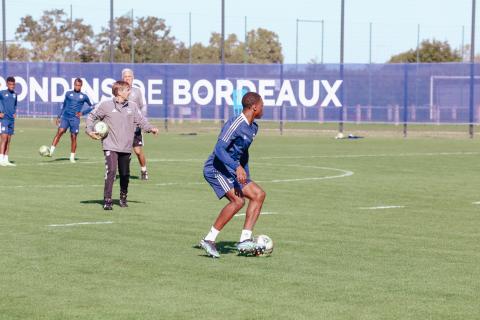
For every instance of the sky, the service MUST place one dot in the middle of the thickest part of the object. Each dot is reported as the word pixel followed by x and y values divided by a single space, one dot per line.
pixel 394 24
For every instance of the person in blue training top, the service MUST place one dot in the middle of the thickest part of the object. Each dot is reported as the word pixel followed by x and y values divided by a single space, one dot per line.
pixel 69 116
pixel 227 172
pixel 8 113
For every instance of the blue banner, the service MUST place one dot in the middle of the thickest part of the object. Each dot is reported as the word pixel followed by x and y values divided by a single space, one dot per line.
pixel 361 93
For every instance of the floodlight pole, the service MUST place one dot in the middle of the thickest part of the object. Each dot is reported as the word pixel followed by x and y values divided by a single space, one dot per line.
pixel 342 46
pixel 296 45
pixel 472 71
pixel 190 38
pixel 111 31
pixel 222 40
pixel 418 43
pixel 4 23
pixel 222 55
pixel 245 52
pixel 133 38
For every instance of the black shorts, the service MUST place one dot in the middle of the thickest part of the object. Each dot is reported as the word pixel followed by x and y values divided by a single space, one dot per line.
pixel 138 138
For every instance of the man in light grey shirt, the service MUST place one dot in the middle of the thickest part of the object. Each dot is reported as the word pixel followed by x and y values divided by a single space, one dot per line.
pixel 136 96
pixel 122 117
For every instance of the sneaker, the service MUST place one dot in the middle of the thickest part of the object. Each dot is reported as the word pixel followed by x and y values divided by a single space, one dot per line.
pixel 123 199
pixel 210 248
pixel 72 160
pixel 10 164
pixel 3 164
pixel 107 204
pixel 143 175
pixel 249 246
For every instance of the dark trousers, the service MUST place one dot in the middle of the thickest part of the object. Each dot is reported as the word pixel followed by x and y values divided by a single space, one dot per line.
pixel 112 161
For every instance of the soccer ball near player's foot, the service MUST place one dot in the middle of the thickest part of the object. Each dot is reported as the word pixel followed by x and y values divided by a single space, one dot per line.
pixel 101 128
pixel 264 245
pixel 44 151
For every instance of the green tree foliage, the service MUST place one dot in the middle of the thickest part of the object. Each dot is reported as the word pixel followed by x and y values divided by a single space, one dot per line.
pixel 149 36
pixel 16 52
pixel 264 47
pixel 54 37
pixel 429 51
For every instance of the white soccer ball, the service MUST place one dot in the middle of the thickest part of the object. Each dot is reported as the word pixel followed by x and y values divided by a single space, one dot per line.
pixel 265 242
pixel 101 128
pixel 339 136
pixel 44 151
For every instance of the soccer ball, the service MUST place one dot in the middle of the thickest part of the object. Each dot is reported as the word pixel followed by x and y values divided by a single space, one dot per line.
pixel 339 136
pixel 101 128
pixel 265 242
pixel 44 151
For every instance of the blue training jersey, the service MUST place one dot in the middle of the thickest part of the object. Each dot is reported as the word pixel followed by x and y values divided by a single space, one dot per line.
pixel 73 103
pixel 232 145
pixel 8 103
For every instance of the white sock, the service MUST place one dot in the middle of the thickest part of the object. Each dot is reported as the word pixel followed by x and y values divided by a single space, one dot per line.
pixel 5 158
pixel 144 169
pixel 52 148
pixel 246 234
pixel 212 235
pixel 72 156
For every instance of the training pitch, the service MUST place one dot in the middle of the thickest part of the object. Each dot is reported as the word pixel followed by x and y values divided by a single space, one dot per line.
pixel 375 228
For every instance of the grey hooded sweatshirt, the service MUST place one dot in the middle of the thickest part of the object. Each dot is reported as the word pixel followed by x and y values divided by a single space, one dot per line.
pixel 122 119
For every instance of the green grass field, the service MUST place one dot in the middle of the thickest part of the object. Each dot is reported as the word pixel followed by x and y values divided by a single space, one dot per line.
pixel 335 257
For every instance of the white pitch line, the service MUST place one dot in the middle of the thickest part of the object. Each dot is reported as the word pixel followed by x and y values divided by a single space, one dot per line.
pixel 261 213
pixel 344 173
pixel 79 224
pixel 381 207
pixel 476 202
pixel 413 154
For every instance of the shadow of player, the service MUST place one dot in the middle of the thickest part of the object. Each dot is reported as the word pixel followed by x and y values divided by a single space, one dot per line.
pixel 100 202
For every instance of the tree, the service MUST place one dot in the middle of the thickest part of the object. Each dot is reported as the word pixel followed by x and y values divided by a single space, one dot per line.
pixel 151 38
pixel 264 47
pixel 54 37
pixel 429 51
pixel 16 52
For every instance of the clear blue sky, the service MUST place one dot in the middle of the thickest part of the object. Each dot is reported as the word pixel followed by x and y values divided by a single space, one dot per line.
pixel 394 22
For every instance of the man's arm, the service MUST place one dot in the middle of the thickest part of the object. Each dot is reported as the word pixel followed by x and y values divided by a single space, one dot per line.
pixel 90 106
pixel 62 108
pixel 2 107
pixel 234 167
pixel 222 154
pixel 142 122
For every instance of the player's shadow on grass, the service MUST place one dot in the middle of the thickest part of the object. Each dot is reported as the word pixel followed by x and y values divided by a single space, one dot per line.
pixel 59 159
pixel 223 247
pixel 131 177
pixel 226 247
pixel 100 202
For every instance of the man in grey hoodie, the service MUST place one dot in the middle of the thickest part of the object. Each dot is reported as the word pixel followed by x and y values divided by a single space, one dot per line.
pixel 122 117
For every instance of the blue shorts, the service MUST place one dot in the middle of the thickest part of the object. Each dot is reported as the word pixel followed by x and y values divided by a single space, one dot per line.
pixel 222 182
pixel 7 126
pixel 72 123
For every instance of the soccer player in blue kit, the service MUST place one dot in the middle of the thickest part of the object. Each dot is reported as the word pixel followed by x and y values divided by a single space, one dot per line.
pixel 69 116
pixel 227 172
pixel 8 113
